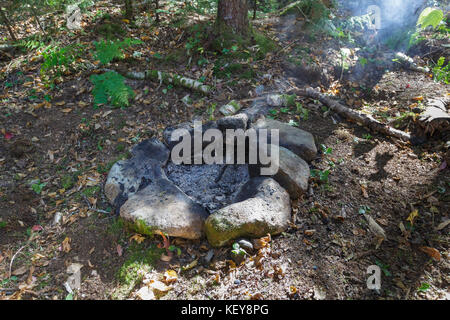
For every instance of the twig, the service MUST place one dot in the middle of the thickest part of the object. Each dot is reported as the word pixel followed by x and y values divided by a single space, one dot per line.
pixel 14 256
pixel 357 116
pixel 92 208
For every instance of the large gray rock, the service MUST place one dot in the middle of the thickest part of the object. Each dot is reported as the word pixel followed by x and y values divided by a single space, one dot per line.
pixel 163 206
pixel 262 206
pixel 127 177
pixel 293 173
pixel 296 140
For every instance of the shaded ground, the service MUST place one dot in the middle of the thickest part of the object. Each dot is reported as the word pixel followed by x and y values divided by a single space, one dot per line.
pixel 326 252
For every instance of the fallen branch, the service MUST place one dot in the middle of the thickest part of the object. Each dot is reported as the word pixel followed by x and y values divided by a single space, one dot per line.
pixel 359 117
pixel 409 62
pixel 167 78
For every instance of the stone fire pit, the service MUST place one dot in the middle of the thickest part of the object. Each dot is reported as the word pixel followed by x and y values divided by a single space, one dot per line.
pixel 223 202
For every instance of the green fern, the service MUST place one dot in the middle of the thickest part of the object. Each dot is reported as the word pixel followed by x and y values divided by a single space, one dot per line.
pixel 107 51
pixel 110 88
pixel 57 60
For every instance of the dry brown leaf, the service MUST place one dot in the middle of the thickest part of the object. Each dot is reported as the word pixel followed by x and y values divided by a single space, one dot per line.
pixel 432 252
pixel 138 238
pixel 66 245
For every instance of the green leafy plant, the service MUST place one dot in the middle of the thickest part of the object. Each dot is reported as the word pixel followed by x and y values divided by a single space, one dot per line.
pixel 237 250
pixel 430 17
pixel 302 112
pixel 424 287
pixel 384 268
pixel 325 150
pixel 441 73
pixel 107 50
pixel 322 175
pixel 110 88
pixel 58 60
pixel 38 186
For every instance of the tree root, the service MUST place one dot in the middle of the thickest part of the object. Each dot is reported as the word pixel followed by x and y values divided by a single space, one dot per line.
pixel 357 116
pixel 168 78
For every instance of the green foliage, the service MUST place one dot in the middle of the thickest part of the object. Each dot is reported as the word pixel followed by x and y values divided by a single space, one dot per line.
pixel 237 250
pixel 424 287
pixel 110 88
pixel 314 11
pixel 302 112
pixel 322 175
pixel 38 186
pixel 107 50
pixel 57 60
pixel 430 17
pixel 441 73
pixel 141 260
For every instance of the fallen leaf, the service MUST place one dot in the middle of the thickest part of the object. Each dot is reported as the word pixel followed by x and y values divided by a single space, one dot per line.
pixel 442 225
pixel 36 228
pixel 170 276
pixel 119 250
pixel 66 245
pixel 159 288
pixel 145 293
pixel 190 265
pixel 20 271
pixel 412 216
pixel 432 252
pixel 138 238
pixel 165 258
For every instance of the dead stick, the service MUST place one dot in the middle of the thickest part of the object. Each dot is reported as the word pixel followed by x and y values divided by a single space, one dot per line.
pixel 359 117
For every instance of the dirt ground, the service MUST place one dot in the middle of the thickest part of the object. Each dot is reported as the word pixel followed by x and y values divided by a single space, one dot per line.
pixel 69 146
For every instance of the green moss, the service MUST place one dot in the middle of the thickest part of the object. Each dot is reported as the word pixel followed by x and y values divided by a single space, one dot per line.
pixel 141 227
pixel 265 45
pixel 117 226
pixel 91 191
pixel 141 260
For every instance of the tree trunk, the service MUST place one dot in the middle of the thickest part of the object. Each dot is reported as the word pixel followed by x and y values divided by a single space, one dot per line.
pixel 129 14
pixel 233 14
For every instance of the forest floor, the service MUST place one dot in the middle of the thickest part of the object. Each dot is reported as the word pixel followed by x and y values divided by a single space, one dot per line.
pixel 55 155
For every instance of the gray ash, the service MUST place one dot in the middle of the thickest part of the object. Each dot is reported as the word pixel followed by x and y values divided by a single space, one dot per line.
pixel 211 186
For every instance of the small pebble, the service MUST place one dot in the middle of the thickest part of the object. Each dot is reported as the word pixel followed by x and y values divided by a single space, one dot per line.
pixel 237 282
